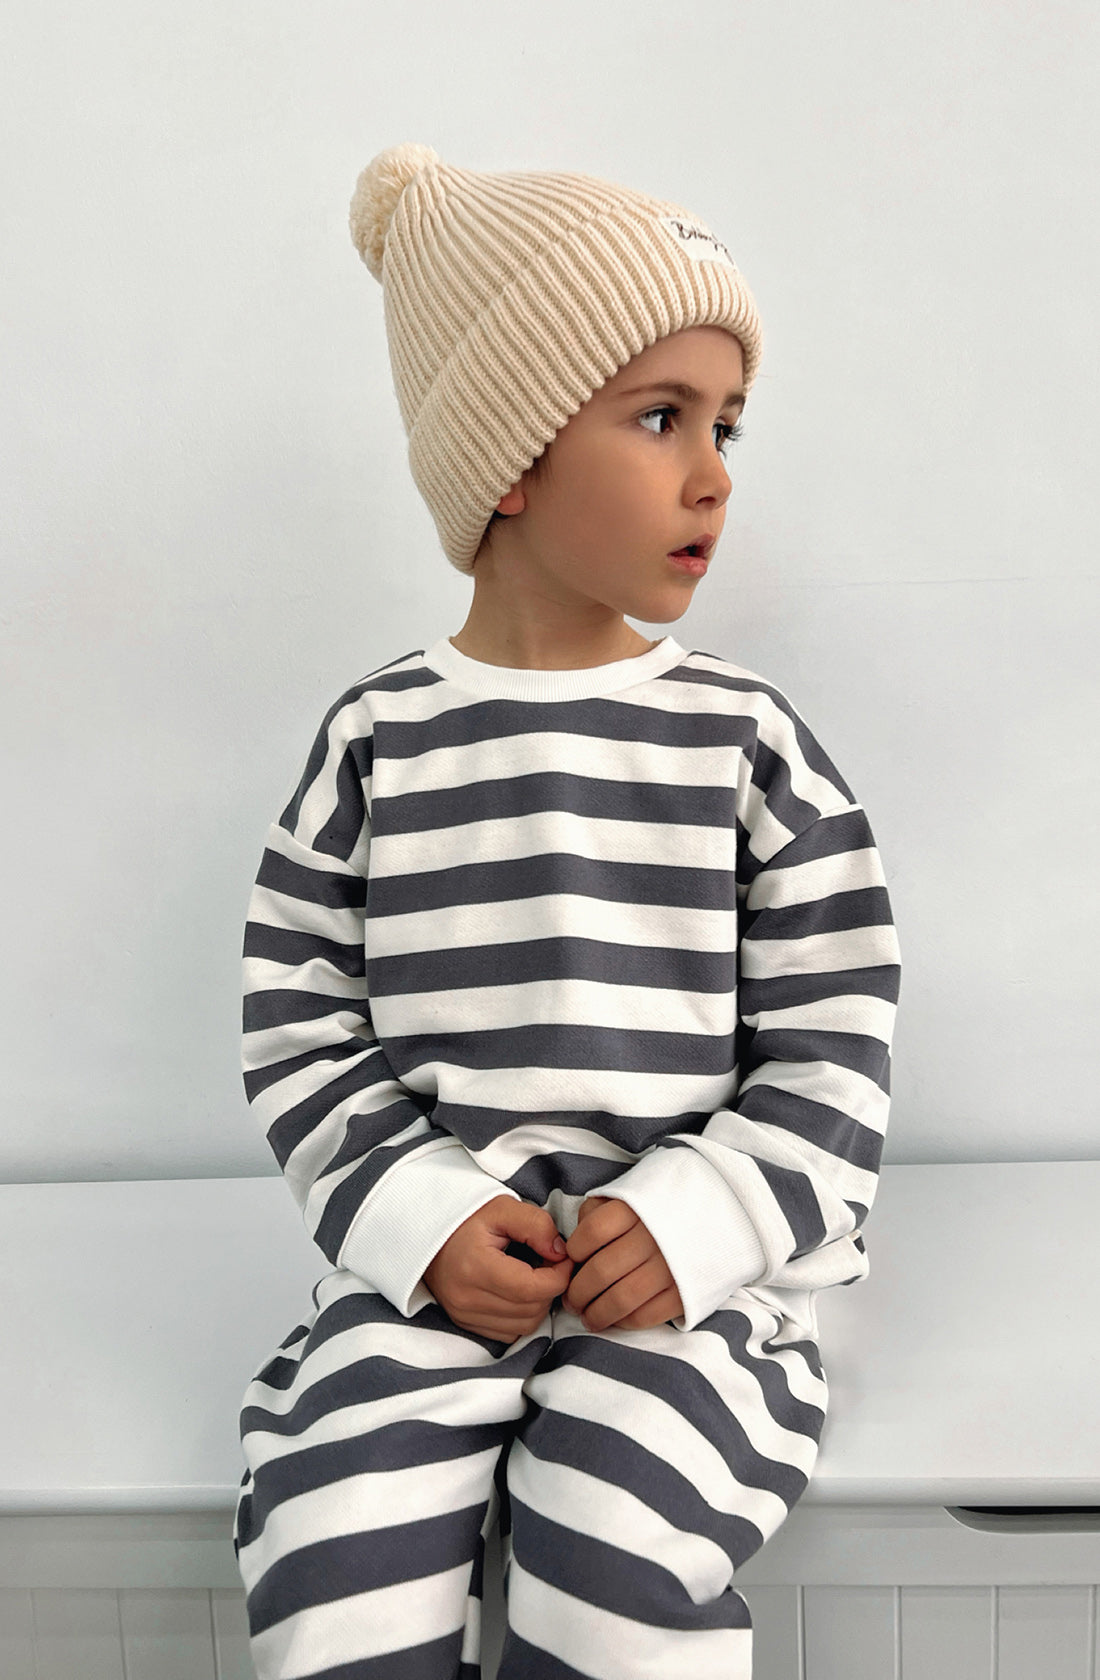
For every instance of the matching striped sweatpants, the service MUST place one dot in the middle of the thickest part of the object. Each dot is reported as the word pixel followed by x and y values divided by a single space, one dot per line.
pixel 633 1472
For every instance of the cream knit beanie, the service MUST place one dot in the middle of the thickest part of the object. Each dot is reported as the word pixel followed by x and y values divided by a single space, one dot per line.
pixel 509 299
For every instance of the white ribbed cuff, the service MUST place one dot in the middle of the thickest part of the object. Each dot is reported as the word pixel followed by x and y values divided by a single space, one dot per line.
pixel 699 1225
pixel 408 1217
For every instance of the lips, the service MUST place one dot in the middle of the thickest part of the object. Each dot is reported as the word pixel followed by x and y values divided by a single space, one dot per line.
pixel 699 549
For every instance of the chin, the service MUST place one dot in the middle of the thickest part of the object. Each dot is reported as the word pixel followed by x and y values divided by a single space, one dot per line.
pixel 662 612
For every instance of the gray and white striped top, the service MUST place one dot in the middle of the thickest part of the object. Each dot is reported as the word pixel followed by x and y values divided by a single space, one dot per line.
pixel 620 931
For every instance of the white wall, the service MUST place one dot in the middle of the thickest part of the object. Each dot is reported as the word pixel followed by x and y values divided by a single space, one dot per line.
pixel 211 529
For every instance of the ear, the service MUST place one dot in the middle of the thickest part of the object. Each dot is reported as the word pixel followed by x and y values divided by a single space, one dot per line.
pixel 513 501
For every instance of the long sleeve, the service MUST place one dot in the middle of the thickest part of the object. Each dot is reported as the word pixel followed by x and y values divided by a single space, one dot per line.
pixel 775 1187
pixel 381 1187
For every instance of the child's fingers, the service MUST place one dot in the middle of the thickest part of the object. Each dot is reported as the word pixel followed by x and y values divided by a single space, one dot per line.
pixel 517 1250
pixel 625 1258
pixel 629 1295
pixel 515 1281
pixel 663 1307
pixel 494 1318
pixel 614 1219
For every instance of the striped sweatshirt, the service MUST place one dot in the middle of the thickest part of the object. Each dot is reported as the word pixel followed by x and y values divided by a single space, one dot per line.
pixel 549 934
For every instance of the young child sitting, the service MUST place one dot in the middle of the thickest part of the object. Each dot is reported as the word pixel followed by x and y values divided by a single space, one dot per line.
pixel 570 980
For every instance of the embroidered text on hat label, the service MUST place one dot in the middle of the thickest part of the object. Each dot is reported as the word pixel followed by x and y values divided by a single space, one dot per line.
pixel 697 241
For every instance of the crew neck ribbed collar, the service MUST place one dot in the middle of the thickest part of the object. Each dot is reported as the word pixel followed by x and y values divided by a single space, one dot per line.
pixel 509 682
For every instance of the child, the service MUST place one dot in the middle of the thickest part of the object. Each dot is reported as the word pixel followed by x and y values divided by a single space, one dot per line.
pixel 564 934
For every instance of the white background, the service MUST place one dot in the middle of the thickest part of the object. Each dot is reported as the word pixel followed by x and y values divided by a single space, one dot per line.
pixel 210 529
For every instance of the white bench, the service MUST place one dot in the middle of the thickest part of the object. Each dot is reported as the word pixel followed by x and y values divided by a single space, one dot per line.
pixel 963 1371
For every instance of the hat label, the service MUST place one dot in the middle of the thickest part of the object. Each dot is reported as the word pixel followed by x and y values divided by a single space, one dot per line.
pixel 697 241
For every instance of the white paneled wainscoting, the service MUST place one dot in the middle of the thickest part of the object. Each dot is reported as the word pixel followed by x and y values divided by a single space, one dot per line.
pixel 841 1593
pixel 950 1531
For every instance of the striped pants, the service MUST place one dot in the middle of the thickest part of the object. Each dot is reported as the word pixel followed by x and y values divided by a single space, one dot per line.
pixel 632 1471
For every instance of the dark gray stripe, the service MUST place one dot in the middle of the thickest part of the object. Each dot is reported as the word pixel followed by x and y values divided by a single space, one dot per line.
pixel 787 991
pixel 324 1571
pixel 478 1127
pixel 259 1079
pixel 393 1446
pixel 299 1121
pixel 794 1192
pixel 817 759
pixel 319 750
pixel 859 1052
pixel 600 718
pixel 831 836
pixel 384 680
pixel 829 1128
pixel 524 961
pixel 527 1661
pixel 551 790
pixel 860 907
pixel 575 1173
pixel 314 886
pixel 772 775
pixel 552 873
pixel 554 1044
pixel 279 1007
pixel 596 1448
pixel 615 1579
pixel 380 1377
pixel 287 1132
pixel 843 831
pixel 339 836
pixel 688 1391
pixel 366 1132
pixel 295 948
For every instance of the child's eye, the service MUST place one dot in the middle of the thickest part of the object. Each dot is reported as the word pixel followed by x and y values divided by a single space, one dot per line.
pixel 730 434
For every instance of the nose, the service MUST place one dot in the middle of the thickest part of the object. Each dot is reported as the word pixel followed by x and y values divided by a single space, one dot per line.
pixel 707 479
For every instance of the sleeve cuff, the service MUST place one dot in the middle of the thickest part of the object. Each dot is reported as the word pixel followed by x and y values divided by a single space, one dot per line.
pixel 405 1221
pixel 701 1228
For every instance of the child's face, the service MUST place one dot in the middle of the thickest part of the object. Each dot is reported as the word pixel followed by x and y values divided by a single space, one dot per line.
pixel 634 475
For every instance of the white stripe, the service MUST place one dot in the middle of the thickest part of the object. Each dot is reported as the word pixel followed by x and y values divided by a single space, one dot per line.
pixel 455 1402
pixel 603 839
pixel 549 916
pixel 296 851
pixel 579 1633
pixel 604 1511
pixel 572 1089
pixel 817 879
pixel 818 953
pixel 362 1625
pixel 654 1424
pixel 379 1499
pixel 852 1012
pixel 567 1002
pixel 343 923
pixel 315 974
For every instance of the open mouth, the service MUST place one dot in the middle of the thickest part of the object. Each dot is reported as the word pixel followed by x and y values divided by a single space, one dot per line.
pixel 694 551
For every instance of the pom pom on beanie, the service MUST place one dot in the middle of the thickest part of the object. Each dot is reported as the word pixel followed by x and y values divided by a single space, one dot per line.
pixel 510 298
pixel 377 191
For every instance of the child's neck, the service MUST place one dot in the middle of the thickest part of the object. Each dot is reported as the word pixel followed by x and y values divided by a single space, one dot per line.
pixel 532 648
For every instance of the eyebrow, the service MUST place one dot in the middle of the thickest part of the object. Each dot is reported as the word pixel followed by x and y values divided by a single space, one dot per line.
pixel 686 393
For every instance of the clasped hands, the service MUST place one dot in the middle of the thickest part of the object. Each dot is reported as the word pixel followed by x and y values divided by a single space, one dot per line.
pixel 622 1280
pixel 610 1273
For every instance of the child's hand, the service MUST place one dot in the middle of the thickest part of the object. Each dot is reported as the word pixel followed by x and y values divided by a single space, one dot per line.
pixel 626 1282
pixel 484 1290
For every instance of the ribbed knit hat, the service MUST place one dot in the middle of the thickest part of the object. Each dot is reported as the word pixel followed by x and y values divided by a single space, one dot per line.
pixel 509 299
